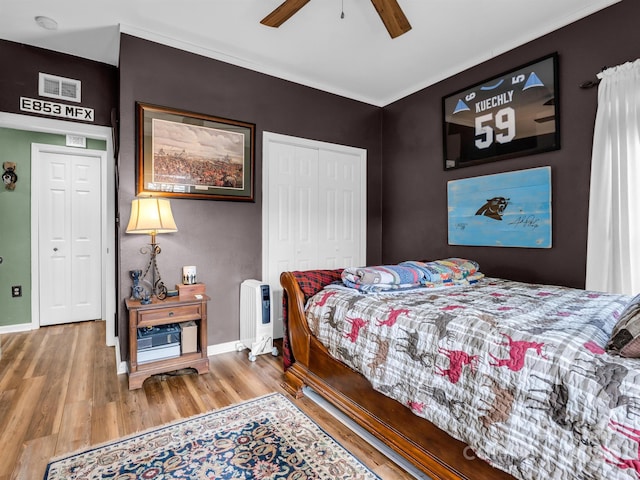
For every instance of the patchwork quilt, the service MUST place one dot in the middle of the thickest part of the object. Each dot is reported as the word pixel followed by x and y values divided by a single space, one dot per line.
pixel 516 371
pixel 411 274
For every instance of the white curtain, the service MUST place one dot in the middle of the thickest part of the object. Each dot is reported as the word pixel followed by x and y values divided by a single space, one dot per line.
pixel 613 245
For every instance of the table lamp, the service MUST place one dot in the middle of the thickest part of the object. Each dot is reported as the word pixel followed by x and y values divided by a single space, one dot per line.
pixel 152 216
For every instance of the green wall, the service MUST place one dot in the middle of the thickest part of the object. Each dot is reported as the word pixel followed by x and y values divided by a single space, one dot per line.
pixel 15 221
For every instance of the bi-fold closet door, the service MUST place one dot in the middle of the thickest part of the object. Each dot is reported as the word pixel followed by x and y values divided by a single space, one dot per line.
pixel 314 209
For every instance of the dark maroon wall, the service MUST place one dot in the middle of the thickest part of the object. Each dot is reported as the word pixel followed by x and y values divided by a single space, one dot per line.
pixel 223 239
pixel 22 63
pixel 415 188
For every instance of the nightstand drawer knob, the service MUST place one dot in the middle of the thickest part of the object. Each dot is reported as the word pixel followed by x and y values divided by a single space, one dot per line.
pixel 171 314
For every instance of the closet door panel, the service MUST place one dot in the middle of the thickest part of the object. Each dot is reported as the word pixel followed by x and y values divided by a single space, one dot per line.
pixel 342 214
pixel 305 208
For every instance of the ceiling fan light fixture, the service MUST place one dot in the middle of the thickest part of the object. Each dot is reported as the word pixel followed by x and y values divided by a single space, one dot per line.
pixel 46 22
pixel 389 11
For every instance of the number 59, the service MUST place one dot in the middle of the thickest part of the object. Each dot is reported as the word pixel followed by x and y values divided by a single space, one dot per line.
pixel 505 119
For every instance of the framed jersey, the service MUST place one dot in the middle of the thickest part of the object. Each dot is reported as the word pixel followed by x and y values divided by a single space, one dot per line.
pixel 511 115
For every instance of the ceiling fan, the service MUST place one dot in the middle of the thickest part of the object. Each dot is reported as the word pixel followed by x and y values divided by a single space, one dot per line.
pixel 390 13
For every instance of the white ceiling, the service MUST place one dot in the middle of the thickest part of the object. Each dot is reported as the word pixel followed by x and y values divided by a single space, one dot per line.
pixel 354 57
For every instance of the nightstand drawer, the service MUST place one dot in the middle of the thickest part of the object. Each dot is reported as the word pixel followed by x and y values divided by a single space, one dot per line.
pixel 169 315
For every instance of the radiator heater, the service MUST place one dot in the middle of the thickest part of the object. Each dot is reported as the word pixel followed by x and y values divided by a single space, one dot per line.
pixel 256 325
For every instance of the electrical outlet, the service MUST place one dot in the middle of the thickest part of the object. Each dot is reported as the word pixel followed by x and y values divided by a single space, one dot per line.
pixel 16 291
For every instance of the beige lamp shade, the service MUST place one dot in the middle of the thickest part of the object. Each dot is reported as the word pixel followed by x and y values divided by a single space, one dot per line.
pixel 151 216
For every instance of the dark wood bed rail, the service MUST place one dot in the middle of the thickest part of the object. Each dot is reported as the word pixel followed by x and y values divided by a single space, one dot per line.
pixel 419 441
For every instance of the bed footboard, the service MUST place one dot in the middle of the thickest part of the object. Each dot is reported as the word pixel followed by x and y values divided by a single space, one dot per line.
pixel 420 442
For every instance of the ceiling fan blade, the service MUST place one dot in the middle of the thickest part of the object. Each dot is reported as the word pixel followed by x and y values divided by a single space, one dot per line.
pixel 283 13
pixel 392 16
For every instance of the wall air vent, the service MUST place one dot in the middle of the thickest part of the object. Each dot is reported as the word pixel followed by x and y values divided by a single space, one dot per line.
pixel 62 88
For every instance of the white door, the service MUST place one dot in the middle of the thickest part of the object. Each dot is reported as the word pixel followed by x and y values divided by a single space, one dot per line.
pixel 314 209
pixel 342 208
pixel 293 212
pixel 101 133
pixel 69 228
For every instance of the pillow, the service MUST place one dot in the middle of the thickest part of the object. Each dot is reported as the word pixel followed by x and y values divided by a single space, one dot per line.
pixel 625 337
pixel 312 281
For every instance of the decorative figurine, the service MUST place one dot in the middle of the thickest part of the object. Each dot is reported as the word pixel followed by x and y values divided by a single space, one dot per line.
pixel 9 177
pixel 137 291
pixel 189 275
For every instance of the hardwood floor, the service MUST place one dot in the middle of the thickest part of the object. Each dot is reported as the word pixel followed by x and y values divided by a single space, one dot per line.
pixel 59 393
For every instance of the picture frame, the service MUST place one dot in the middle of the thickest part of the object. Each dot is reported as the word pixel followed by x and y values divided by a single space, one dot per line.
pixel 192 155
pixel 510 115
pixel 510 209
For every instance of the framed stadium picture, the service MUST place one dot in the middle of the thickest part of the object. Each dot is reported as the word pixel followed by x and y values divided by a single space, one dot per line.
pixel 191 155
pixel 511 115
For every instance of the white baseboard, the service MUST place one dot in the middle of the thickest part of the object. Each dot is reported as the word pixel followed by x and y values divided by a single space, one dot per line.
pixel 21 327
pixel 121 367
pixel 222 348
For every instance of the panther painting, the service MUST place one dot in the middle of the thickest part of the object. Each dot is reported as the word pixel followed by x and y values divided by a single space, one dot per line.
pixel 494 208
pixel 511 209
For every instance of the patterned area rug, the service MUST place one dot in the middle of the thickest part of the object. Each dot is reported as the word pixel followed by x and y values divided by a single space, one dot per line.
pixel 265 438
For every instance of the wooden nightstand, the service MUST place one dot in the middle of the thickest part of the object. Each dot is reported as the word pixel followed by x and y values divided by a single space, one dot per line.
pixel 162 312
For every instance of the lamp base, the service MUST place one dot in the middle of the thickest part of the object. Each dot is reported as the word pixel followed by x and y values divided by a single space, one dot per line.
pixel 158 288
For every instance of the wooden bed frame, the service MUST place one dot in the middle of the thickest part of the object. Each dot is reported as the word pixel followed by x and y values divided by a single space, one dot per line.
pixel 419 441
